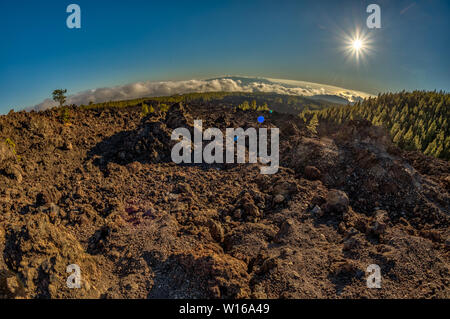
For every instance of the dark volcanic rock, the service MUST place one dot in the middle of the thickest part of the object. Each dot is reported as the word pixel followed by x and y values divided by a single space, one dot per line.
pixel 140 226
pixel 337 201
pixel 312 173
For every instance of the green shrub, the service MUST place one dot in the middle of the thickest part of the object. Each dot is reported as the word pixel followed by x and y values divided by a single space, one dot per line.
pixel 164 107
pixel 147 109
pixel 12 147
pixel 65 115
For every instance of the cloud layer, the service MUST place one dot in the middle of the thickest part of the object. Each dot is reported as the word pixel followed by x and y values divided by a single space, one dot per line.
pixel 227 84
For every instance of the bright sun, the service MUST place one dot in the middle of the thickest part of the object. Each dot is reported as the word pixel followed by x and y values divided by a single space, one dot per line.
pixel 357 44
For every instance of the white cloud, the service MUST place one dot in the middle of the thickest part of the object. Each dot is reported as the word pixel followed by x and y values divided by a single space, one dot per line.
pixel 227 84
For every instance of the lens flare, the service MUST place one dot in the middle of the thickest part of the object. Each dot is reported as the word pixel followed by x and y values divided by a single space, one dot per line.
pixel 357 45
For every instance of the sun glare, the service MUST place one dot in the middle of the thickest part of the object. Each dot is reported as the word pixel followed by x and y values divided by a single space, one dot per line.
pixel 357 44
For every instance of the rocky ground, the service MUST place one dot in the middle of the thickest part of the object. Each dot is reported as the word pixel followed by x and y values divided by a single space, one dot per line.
pixel 103 193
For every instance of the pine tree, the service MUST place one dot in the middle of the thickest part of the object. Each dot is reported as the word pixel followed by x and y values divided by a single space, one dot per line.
pixel 416 120
pixel 313 123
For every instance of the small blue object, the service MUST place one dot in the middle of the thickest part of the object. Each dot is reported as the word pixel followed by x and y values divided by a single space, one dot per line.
pixel 260 119
pixel 235 138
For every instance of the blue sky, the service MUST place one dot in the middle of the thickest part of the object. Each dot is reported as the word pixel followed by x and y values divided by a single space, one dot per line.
pixel 127 41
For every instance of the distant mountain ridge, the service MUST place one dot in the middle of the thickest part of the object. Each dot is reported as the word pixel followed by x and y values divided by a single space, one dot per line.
pixel 331 98
pixel 312 90
pixel 220 84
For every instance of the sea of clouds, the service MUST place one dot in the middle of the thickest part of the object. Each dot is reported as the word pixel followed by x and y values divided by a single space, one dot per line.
pixel 227 84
